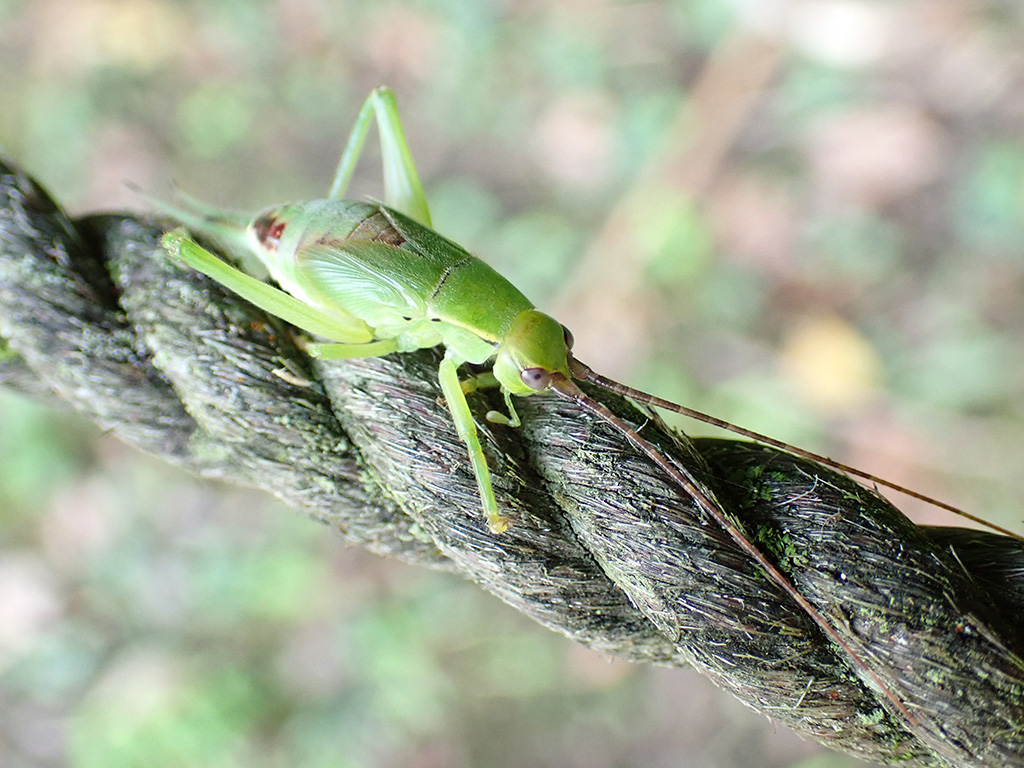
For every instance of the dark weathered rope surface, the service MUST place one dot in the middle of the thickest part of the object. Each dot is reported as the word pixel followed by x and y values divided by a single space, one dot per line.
pixel 95 318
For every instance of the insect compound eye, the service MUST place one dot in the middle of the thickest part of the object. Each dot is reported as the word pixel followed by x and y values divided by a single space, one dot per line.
pixel 567 335
pixel 535 378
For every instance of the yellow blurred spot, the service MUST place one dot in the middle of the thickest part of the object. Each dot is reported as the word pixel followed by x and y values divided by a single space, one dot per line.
pixel 80 34
pixel 141 34
pixel 830 363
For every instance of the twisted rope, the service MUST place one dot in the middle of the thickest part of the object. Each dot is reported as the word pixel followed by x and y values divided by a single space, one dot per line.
pixel 603 548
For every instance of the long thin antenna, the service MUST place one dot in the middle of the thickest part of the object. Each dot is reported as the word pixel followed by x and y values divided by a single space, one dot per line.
pixel 569 390
pixel 583 372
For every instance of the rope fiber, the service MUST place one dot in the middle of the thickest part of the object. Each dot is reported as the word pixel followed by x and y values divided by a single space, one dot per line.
pixel 603 548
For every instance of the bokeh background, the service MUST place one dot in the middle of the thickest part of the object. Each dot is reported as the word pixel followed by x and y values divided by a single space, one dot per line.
pixel 806 217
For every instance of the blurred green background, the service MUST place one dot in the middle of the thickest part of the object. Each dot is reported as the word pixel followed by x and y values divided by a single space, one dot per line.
pixel 805 217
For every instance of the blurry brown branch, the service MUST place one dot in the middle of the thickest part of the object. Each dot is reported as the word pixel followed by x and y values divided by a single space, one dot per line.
pixel 731 84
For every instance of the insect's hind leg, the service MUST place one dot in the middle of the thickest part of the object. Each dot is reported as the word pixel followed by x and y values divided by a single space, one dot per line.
pixel 403 190
pixel 349 351
pixel 334 326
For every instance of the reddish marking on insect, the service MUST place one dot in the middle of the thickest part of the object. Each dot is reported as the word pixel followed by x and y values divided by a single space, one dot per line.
pixel 391 236
pixel 377 227
pixel 268 231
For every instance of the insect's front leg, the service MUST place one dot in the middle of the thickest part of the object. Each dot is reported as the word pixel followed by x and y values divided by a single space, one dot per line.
pixel 486 380
pixel 448 376
pixel 483 380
